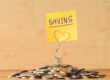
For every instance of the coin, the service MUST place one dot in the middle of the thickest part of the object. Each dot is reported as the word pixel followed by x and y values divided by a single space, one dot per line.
pixel 25 74
pixel 76 76
pixel 56 71
pixel 44 70
pixel 60 75
pixel 25 77
pixel 24 71
pixel 47 77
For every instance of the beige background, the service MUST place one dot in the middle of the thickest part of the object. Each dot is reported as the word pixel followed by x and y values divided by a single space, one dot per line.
pixel 23 43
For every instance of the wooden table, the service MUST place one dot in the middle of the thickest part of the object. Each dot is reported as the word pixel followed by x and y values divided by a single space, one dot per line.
pixel 4 73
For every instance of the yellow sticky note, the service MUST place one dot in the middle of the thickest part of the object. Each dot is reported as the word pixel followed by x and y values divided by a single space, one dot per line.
pixel 61 26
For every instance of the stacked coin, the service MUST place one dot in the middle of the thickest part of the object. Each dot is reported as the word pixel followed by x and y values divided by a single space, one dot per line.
pixel 56 71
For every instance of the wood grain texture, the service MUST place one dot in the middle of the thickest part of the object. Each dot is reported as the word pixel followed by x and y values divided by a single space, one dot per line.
pixel 23 43
pixel 4 73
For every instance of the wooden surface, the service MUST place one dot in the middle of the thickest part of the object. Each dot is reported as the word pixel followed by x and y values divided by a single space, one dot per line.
pixel 4 73
pixel 23 43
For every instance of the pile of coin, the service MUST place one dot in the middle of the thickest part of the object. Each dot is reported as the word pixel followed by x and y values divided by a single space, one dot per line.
pixel 56 71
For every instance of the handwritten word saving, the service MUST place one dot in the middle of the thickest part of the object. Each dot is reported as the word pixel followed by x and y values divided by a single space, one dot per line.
pixel 58 22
